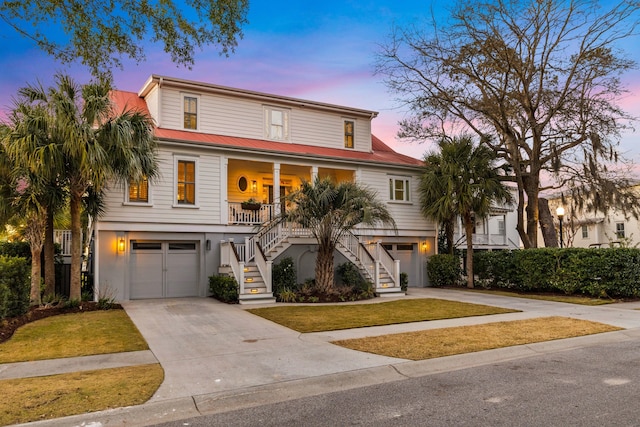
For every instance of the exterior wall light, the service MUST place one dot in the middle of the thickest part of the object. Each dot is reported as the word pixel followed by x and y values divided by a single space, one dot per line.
pixel 120 245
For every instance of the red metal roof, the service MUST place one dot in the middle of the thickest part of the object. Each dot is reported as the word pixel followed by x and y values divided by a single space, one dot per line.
pixel 381 153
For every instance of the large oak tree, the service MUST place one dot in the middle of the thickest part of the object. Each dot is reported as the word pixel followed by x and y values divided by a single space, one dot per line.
pixel 537 80
pixel 98 33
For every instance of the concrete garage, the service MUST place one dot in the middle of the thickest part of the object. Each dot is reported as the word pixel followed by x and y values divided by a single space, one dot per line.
pixel 164 269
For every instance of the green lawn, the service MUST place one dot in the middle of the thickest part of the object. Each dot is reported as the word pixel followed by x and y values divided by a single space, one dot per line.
pixel 313 318
pixel 69 335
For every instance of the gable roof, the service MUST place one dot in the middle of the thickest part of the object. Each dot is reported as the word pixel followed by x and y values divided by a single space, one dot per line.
pixel 380 153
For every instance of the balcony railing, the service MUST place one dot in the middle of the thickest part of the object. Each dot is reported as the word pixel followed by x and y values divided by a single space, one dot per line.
pixel 240 216
pixel 63 238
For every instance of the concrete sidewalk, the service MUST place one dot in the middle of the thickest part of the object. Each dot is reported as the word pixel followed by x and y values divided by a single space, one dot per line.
pixel 217 357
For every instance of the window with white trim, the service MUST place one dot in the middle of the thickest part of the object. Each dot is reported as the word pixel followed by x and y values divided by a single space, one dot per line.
pixel 138 191
pixel 276 124
pixel 185 182
pixel 399 189
pixel 349 133
pixel 190 112
pixel 620 230
pixel 502 230
pixel 585 231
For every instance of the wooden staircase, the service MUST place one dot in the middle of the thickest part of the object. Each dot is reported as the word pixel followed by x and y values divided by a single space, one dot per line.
pixel 250 261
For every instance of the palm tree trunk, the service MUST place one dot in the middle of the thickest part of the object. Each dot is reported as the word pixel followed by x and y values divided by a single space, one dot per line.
pixel 76 246
pixel 34 297
pixel 324 268
pixel 468 230
pixel 49 257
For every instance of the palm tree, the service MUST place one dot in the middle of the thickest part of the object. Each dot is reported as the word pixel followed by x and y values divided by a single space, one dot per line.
pixel 461 180
pixel 94 145
pixel 36 161
pixel 330 210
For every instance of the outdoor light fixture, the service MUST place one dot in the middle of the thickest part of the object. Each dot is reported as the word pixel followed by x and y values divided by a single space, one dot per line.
pixel 425 246
pixel 254 291
pixel 249 279
pixel 254 186
pixel 120 245
pixel 560 213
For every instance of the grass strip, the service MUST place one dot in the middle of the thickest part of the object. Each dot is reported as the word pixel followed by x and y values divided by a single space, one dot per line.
pixel 41 398
pixel 434 343
pixel 71 335
pixel 571 299
pixel 315 318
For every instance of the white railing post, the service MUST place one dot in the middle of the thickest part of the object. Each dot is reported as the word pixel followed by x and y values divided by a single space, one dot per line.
pixel 241 277
pixel 268 280
pixel 224 252
pixel 377 274
pixel 396 272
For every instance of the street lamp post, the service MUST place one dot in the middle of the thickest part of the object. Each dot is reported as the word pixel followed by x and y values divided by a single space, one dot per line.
pixel 560 213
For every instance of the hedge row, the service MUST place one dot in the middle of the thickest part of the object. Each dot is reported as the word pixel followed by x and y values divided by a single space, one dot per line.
pixel 611 272
pixel 15 284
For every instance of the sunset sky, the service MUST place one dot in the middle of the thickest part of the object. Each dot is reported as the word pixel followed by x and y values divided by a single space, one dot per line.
pixel 322 51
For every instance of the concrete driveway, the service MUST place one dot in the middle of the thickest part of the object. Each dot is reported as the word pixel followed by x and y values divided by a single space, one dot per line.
pixel 207 347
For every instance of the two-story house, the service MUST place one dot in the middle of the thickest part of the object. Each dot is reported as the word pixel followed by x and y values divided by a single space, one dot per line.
pixel 221 148
pixel 595 229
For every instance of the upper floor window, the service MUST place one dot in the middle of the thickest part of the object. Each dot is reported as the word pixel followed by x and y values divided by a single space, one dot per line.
pixel 190 112
pixel 502 230
pixel 349 132
pixel 620 230
pixel 399 189
pixel 186 182
pixel 585 231
pixel 139 191
pixel 276 124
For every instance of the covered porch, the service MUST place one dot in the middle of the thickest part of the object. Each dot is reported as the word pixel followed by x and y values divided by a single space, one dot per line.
pixel 255 189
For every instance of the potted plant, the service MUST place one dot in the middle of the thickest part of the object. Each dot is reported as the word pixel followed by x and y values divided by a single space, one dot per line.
pixel 251 205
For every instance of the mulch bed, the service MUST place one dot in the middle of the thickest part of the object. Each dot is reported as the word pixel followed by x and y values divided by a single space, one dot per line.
pixel 8 326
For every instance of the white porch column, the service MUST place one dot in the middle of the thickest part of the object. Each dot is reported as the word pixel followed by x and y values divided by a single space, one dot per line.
pixel 224 189
pixel 276 188
pixel 314 173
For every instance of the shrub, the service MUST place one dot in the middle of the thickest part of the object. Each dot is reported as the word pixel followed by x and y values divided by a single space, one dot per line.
pixel 15 285
pixel 16 249
pixel 444 270
pixel 224 288
pixel 404 281
pixel 283 276
pixel 350 276
pixel 613 272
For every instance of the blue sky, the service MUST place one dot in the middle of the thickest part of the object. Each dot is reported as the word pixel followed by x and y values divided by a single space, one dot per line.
pixel 322 51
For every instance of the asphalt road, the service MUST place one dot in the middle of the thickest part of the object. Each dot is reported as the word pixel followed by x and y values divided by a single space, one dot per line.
pixel 592 386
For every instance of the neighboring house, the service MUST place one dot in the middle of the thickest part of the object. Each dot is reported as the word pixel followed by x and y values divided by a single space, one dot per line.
pixel 495 232
pixel 220 148
pixel 584 229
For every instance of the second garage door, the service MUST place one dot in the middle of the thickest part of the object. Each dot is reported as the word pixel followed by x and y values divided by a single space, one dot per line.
pixel 161 269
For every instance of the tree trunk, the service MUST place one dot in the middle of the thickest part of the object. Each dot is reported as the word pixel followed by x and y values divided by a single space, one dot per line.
pixel 546 224
pixel 324 268
pixel 34 297
pixel 76 246
pixel 468 231
pixel 532 189
pixel 49 257
pixel 448 231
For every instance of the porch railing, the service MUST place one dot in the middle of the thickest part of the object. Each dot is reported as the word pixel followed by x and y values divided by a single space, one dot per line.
pixel 240 216
pixel 390 265
pixel 229 257
pixel 63 238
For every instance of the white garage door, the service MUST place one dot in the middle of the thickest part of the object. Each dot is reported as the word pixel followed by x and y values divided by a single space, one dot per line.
pixel 164 269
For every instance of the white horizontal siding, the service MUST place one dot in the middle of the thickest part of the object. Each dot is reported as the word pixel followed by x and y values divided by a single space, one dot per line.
pixel 162 209
pixel 152 104
pixel 224 115
pixel 406 214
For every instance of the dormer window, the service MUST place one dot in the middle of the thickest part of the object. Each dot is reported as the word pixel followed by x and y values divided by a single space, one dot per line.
pixel 276 124
pixel 190 112
pixel 349 132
